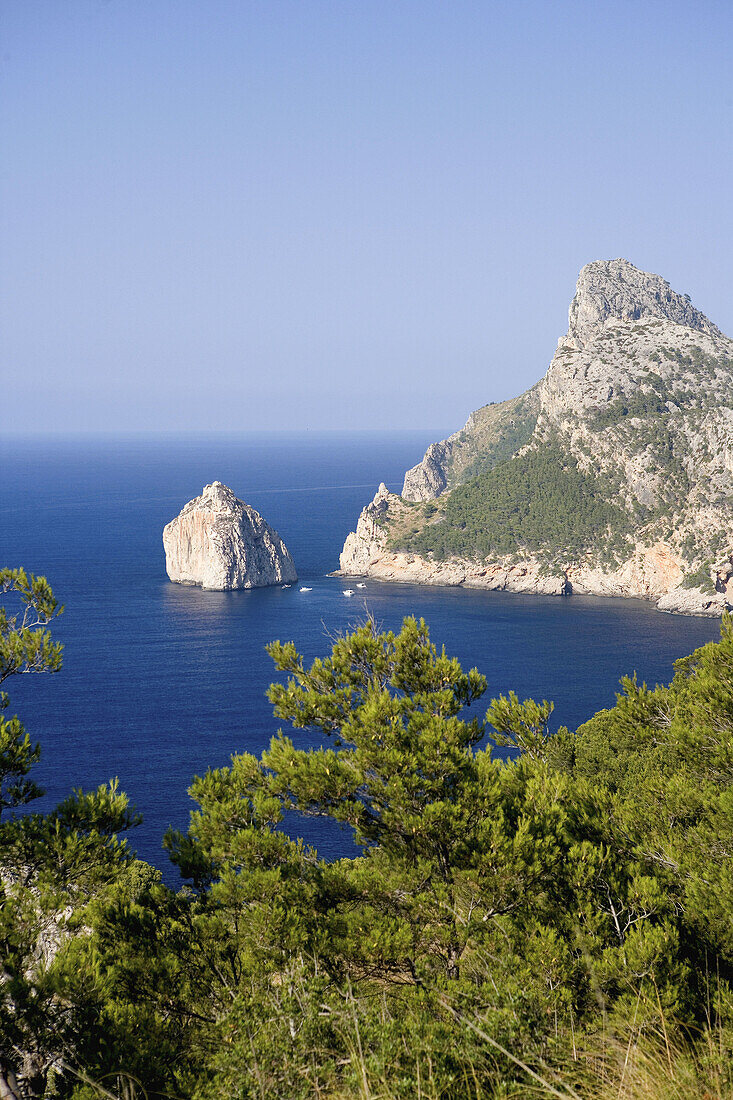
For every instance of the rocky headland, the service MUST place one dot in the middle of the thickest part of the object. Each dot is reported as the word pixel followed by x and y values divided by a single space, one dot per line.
pixel 613 475
pixel 219 542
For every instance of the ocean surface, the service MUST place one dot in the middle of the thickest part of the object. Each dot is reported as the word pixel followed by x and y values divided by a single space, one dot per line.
pixel 161 681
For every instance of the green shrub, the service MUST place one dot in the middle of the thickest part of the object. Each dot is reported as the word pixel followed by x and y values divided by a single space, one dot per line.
pixel 700 579
pixel 537 501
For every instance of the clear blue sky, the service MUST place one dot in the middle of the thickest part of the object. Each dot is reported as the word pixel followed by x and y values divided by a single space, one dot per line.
pixel 218 214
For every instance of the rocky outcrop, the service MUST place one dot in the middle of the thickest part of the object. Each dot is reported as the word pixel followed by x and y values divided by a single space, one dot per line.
pixel 650 573
pixel 685 601
pixel 489 436
pixel 219 542
pixel 615 290
pixel 638 398
pixel 429 478
pixel 365 545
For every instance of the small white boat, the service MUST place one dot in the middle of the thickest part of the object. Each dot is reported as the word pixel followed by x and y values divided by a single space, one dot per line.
pixel 361 586
pixel 286 586
pixel 348 591
pixel 306 589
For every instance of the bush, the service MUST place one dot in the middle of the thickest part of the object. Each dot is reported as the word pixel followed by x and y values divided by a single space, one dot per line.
pixel 540 500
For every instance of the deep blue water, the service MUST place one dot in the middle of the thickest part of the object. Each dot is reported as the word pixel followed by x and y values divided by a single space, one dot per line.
pixel 161 681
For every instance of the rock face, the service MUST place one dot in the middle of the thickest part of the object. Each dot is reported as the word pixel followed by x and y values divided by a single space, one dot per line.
pixel 429 478
pixel 490 435
pixel 615 290
pixel 219 542
pixel 638 400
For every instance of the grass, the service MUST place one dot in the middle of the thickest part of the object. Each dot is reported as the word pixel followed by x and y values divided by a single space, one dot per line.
pixel 663 1064
pixel 651 1067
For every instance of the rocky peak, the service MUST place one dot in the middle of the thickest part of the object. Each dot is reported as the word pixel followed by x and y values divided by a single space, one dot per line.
pixel 217 494
pixel 635 410
pixel 217 541
pixel 616 290
pixel 429 478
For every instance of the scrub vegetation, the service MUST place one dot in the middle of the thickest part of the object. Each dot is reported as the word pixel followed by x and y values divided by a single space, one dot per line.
pixel 494 439
pixel 539 501
pixel 527 911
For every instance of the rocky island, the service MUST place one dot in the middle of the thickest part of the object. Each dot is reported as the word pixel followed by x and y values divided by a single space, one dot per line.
pixel 219 542
pixel 613 475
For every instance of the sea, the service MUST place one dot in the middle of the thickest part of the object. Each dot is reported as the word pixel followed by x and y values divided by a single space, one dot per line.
pixel 161 682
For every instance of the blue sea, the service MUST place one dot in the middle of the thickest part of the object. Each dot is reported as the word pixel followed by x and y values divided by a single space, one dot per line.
pixel 161 681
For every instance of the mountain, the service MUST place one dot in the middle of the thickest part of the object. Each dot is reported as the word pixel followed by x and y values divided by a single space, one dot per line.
pixel 612 475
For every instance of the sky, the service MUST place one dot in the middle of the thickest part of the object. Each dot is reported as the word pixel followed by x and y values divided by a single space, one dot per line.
pixel 218 215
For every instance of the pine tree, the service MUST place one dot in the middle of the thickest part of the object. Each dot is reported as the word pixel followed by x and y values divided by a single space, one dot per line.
pixel 51 865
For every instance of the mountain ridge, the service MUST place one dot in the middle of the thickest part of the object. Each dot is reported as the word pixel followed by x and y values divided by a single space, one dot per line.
pixel 632 421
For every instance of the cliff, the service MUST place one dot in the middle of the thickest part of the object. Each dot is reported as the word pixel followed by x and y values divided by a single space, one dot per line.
pixel 219 542
pixel 613 475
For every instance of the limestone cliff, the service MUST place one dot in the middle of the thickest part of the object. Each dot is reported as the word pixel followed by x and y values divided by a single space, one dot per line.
pixel 615 290
pixel 612 475
pixel 219 542
pixel 489 436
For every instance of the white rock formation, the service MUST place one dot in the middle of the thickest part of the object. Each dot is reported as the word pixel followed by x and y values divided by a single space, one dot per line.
pixel 615 290
pixel 429 478
pixel 219 542
pixel 366 544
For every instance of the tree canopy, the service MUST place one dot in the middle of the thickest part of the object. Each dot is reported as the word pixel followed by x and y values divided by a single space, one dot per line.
pixel 507 923
pixel 538 501
pixel 51 865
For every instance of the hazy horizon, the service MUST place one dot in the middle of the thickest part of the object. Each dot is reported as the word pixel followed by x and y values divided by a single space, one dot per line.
pixel 238 217
pixel 212 433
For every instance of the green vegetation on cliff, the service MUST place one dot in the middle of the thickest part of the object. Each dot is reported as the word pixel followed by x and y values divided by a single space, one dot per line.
pixel 626 435
pixel 525 913
pixel 497 433
pixel 538 501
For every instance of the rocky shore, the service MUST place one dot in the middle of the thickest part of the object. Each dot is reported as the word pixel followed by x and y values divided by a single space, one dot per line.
pixel 652 573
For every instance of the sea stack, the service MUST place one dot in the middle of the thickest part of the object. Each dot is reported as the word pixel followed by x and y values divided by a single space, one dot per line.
pixel 219 542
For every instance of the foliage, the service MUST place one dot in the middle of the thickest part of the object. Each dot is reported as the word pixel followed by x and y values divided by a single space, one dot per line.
pixel 700 578
pixel 554 919
pixel 640 403
pixel 510 437
pixel 498 914
pixel 50 864
pixel 25 644
pixel 666 758
pixel 537 501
